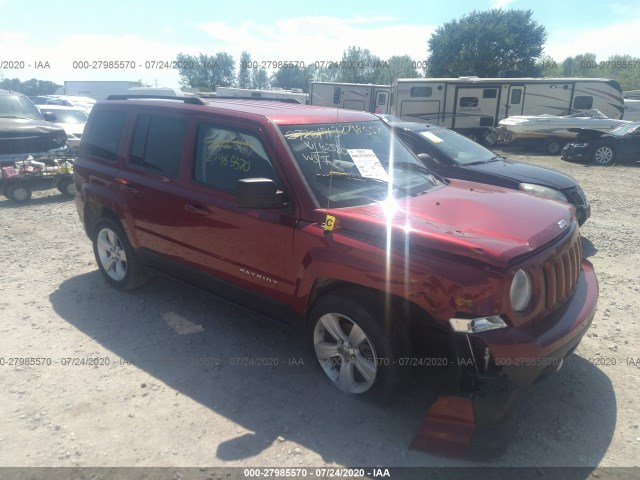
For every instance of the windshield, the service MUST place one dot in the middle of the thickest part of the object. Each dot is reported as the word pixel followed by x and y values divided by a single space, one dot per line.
pixel 348 164
pixel 455 147
pixel 67 116
pixel 588 114
pixel 625 129
pixel 18 106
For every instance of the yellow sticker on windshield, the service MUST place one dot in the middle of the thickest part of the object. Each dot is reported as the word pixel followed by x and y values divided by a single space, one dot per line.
pixel 329 223
pixel 432 136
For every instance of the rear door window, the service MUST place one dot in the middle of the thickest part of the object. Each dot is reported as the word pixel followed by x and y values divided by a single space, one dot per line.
pixel 157 144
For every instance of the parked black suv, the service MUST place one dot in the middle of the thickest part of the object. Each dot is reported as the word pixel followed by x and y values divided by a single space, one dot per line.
pixel 23 130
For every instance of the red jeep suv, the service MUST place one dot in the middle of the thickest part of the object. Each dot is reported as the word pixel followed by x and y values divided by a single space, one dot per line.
pixel 323 217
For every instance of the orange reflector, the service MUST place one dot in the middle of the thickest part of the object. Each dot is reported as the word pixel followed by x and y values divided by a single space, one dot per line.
pixel 447 428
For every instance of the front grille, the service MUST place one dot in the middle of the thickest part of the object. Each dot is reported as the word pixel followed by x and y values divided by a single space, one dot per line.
pixel 561 275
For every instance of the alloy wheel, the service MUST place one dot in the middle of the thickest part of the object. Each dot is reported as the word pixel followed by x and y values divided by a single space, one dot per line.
pixel 113 258
pixel 345 352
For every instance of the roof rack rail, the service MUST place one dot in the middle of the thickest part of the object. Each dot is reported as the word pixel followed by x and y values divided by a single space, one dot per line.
pixel 192 100
pixel 259 99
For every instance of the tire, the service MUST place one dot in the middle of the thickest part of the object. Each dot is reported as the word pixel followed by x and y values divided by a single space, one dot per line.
pixel 352 349
pixel 115 257
pixel 472 136
pixel 67 187
pixel 553 146
pixel 604 155
pixel 18 192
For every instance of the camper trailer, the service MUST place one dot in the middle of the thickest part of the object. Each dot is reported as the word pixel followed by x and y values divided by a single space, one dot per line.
pixel 473 106
pixel 352 96
pixel 295 94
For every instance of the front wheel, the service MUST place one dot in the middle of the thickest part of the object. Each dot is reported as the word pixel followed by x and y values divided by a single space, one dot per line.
pixel 604 155
pixel 352 348
pixel 115 257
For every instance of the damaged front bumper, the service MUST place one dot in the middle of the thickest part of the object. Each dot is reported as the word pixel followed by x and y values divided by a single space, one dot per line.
pixel 499 365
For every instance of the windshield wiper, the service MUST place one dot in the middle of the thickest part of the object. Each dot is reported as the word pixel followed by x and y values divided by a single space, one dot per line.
pixel 349 176
pixel 480 162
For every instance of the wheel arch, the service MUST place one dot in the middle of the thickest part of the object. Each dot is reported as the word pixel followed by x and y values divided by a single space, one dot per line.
pixel 393 306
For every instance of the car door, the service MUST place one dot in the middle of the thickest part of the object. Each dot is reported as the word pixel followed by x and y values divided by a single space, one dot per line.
pixel 149 181
pixel 248 247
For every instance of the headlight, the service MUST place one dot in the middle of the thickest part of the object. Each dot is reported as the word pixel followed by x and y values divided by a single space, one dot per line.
pixel 475 325
pixel 544 192
pixel 60 139
pixel 521 289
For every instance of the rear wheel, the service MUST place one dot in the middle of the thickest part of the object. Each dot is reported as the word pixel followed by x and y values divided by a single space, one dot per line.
pixel 67 187
pixel 352 349
pixel 604 155
pixel 115 257
pixel 490 139
pixel 18 192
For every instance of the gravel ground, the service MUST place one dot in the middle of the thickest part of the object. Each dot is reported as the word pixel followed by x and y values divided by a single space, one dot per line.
pixel 151 403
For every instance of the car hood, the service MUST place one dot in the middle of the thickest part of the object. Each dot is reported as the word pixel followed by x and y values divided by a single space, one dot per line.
pixel 588 133
pixel 478 221
pixel 524 173
pixel 9 127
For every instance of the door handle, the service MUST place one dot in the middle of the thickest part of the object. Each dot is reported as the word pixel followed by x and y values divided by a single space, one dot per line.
pixel 125 184
pixel 198 210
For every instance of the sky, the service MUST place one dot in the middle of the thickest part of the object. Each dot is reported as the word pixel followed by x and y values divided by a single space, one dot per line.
pixel 54 35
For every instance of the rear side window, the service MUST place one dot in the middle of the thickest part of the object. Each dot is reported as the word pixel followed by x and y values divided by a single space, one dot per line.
pixel 583 103
pixel 157 144
pixel 103 139
pixel 224 156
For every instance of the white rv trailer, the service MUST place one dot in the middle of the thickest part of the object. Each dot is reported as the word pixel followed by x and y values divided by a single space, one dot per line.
pixel 473 106
pixel 352 96
pixel 295 94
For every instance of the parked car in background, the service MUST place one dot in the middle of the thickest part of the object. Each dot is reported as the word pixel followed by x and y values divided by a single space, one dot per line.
pixel 72 119
pixel 550 131
pixel 452 155
pixel 83 103
pixel 24 132
pixel 619 145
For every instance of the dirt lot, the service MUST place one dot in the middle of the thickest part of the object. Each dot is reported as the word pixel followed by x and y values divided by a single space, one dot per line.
pixel 160 398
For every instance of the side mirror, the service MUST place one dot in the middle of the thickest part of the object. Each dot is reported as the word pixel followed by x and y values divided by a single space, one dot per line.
pixel 50 117
pixel 427 160
pixel 259 193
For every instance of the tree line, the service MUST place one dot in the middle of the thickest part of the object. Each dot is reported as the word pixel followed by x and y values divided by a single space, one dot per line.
pixel 357 65
pixel 481 43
